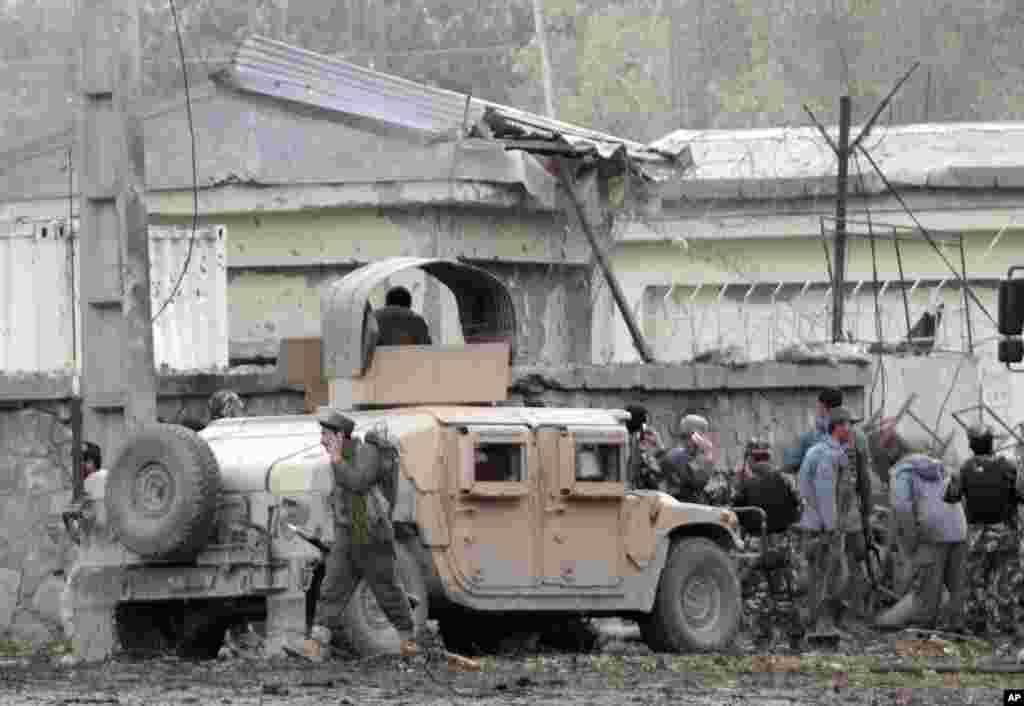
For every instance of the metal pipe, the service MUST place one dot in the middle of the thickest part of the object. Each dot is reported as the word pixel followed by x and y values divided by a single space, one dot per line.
pixel 620 299
pixel 899 265
pixel 843 155
pixel 77 481
pixel 967 300
pixel 721 296
pixel 775 318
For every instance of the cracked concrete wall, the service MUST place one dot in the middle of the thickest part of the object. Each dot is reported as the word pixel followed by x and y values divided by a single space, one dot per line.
pixel 35 448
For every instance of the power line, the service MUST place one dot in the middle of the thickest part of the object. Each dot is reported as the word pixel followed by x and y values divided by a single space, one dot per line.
pixel 195 176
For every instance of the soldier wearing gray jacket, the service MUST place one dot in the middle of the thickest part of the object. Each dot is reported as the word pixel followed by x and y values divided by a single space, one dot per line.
pixel 930 530
pixel 364 538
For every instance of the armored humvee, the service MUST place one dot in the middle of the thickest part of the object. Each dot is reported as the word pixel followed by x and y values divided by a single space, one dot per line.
pixel 502 512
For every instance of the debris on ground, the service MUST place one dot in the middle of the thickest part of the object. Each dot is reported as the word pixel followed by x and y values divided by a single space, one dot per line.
pixel 824 354
pixel 932 647
pixel 731 356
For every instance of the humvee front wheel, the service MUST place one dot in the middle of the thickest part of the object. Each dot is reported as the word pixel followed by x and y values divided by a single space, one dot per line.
pixel 699 601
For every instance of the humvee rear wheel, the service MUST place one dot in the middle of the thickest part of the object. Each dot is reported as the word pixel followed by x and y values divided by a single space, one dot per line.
pixel 162 493
pixel 699 601
pixel 367 626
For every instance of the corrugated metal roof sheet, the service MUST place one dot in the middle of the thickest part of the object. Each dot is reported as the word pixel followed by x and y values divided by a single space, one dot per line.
pixel 276 69
pixel 36 329
pixel 794 162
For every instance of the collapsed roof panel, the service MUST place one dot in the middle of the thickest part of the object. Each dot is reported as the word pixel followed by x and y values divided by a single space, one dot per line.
pixel 273 68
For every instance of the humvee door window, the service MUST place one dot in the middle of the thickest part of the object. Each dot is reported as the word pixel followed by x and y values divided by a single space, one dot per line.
pixel 501 463
pixel 598 462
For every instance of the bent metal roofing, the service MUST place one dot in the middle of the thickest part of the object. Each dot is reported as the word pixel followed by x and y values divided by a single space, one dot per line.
pixel 272 68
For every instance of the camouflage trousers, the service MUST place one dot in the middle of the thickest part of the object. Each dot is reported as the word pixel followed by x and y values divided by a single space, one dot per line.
pixel 826 575
pixel 769 591
pixel 995 580
pixel 347 564
pixel 857 589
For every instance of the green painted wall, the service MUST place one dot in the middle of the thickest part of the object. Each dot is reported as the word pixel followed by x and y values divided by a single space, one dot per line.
pixel 802 259
pixel 280 261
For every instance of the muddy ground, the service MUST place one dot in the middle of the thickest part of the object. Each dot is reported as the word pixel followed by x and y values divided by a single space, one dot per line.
pixel 621 671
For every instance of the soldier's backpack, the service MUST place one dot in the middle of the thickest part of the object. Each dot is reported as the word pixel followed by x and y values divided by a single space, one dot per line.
pixel 936 519
pixel 388 455
pixel 989 490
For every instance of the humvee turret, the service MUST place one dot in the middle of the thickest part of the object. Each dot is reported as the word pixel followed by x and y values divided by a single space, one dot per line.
pixel 501 512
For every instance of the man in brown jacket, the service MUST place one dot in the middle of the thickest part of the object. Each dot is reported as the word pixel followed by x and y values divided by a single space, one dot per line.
pixel 364 538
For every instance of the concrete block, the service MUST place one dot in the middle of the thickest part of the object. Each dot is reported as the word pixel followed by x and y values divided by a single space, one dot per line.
pixel 28 627
pixel 10 584
pixel 46 601
pixel 10 476
pixel 40 475
pixel 39 564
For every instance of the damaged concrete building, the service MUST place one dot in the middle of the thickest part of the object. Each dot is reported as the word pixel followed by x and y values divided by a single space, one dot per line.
pixel 315 166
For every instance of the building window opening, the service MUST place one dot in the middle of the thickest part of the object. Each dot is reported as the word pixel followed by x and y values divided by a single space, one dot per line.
pixel 498 463
pixel 599 463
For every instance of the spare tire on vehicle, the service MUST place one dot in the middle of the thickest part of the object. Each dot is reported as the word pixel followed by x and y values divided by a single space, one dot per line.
pixel 162 493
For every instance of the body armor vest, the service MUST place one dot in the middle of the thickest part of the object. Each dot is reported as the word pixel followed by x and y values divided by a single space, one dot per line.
pixel 772 494
pixel 988 490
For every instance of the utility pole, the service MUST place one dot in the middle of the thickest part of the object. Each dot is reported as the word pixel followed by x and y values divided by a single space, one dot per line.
pixel 843 150
pixel 118 372
pixel 540 29
pixel 839 269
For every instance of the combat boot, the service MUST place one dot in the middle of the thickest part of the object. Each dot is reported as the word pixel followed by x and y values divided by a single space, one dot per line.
pixel 408 648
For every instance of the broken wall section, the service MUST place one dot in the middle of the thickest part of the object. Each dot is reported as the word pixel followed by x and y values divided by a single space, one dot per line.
pixel 35 480
pixel 942 384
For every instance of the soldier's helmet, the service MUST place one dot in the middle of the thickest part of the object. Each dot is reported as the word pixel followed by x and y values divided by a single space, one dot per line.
pixel 979 432
pixel 981 439
pixel 691 423
pixel 225 403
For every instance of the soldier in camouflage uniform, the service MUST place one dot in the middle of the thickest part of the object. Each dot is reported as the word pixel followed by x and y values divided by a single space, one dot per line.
pixel 224 404
pixel 364 538
pixel 770 590
pixel 991 489
pixel 684 471
pixel 645 445
pixel 828 487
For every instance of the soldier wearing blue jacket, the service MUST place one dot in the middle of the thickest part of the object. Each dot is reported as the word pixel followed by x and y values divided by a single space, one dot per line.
pixel 932 532
pixel 828 488
pixel 828 399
